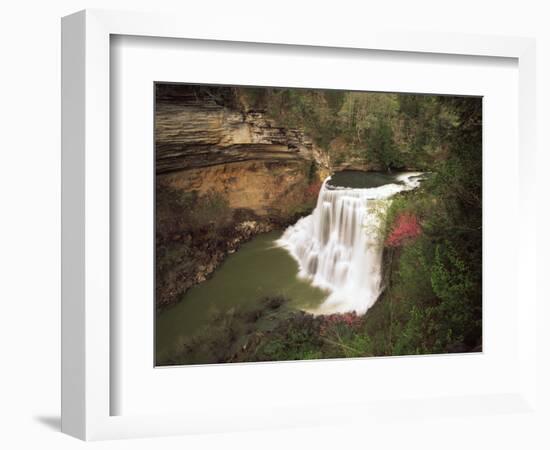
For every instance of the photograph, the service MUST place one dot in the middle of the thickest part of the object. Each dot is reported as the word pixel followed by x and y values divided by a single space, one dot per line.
pixel 308 224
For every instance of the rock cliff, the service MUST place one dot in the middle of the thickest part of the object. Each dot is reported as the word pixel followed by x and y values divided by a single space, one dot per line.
pixel 207 140
pixel 210 145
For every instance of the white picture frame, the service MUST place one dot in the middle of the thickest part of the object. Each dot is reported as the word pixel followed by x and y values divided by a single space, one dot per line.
pixel 87 386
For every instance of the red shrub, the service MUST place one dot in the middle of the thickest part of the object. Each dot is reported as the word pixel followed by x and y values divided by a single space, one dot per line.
pixel 329 322
pixel 405 227
pixel 312 191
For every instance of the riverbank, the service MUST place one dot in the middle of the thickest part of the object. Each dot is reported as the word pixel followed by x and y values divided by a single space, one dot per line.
pixel 195 233
pixel 259 269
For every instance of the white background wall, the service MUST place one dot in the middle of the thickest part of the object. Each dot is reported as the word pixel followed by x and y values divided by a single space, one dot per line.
pixel 30 197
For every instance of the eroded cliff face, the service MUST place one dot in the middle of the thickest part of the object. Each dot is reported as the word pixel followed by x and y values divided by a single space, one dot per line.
pixel 268 189
pixel 206 140
pixel 208 145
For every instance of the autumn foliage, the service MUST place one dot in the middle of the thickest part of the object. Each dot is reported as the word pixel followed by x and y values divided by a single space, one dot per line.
pixel 406 227
pixel 312 191
pixel 330 321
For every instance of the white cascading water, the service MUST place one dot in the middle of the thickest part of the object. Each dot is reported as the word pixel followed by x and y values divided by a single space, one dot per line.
pixel 337 247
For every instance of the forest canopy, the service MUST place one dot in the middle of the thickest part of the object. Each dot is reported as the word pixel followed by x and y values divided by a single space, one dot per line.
pixel 388 131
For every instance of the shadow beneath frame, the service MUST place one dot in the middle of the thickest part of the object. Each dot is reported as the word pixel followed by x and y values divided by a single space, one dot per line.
pixel 51 422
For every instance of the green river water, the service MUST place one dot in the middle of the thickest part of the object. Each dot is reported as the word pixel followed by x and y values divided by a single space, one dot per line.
pixel 256 270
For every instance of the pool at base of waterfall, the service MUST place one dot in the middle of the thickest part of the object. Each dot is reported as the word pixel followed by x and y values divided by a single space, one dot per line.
pixel 327 262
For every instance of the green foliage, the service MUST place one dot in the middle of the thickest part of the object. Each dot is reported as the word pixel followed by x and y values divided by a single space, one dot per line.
pixel 179 211
pixel 269 331
pixel 209 208
pixel 382 146
pixel 435 282
pixel 188 227
pixel 390 131
pixel 293 341
pixel 311 110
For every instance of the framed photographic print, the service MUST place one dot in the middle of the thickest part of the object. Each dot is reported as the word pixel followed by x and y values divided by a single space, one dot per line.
pixel 312 235
pixel 295 224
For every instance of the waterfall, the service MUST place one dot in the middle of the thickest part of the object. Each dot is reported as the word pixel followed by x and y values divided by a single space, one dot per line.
pixel 338 246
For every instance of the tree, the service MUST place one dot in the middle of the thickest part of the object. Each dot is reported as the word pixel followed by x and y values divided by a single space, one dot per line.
pixel 381 146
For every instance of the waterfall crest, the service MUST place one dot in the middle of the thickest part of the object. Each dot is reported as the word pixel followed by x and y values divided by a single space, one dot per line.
pixel 338 246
